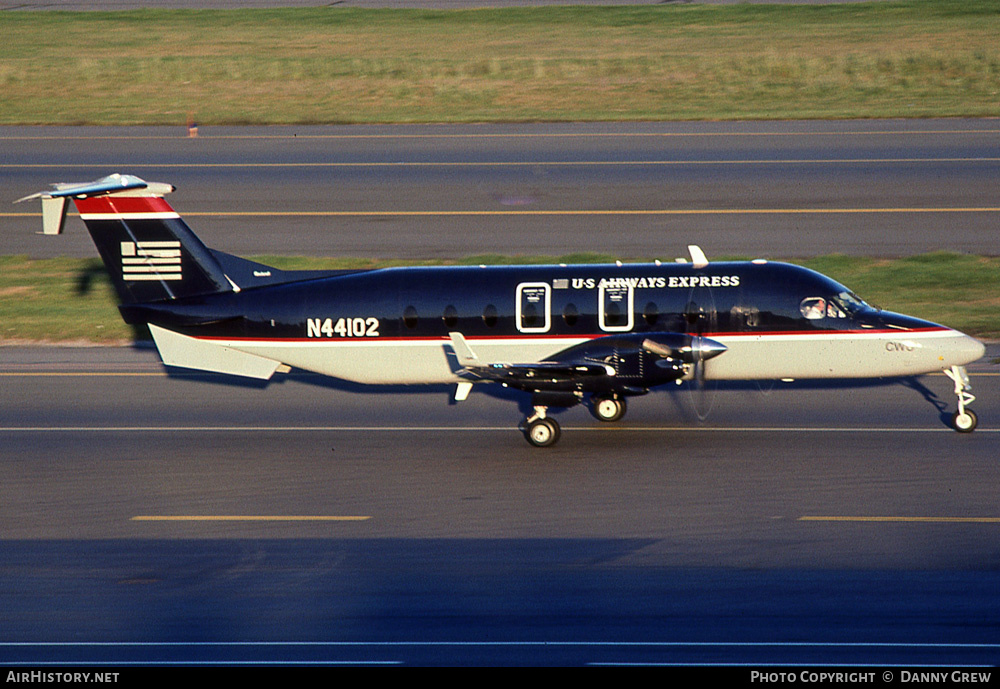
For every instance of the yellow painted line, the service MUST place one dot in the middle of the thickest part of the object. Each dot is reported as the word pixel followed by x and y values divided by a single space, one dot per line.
pixel 609 212
pixel 248 518
pixel 668 211
pixel 57 374
pixel 919 520
pixel 205 134
pixel 513 163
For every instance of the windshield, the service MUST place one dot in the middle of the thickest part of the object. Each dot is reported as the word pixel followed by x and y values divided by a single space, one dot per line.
pixel 844 304
pixel 850 302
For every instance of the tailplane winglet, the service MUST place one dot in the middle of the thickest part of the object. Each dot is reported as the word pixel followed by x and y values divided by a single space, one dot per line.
pixel 54 200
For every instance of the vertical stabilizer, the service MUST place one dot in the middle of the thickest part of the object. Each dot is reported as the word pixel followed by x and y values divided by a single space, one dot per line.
pixel 148 250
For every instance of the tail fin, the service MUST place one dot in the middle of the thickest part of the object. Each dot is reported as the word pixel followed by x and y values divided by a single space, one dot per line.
pixel 148 250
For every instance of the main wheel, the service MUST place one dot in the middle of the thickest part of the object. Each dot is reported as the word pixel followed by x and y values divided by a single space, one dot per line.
pixel 965 423
pixel 542 432
pixel 609 408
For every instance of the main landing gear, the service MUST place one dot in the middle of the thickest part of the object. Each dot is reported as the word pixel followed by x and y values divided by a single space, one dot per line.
pixel 964 420
pixel 543 431
pixel 609 409
pixel 540 430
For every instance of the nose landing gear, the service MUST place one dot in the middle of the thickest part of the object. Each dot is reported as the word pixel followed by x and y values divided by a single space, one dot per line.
pixel 964 420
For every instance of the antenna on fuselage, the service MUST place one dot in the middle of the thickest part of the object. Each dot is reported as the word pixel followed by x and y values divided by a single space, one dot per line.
pixel 698 258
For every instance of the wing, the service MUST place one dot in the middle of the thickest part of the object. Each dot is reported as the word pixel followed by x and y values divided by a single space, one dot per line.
pixel 626 364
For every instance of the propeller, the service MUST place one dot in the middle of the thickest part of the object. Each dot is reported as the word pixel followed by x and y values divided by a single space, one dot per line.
pixel 702 393
pixel 700 318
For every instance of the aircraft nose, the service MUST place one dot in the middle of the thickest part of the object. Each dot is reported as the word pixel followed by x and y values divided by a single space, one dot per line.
pixel 962 349
pixel 943 347
pixel 977 350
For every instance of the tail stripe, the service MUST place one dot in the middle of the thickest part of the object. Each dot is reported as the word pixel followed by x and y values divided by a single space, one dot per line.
pixel 125 208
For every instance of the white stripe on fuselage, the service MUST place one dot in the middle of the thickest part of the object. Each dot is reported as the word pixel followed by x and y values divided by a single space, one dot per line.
pixel 157 215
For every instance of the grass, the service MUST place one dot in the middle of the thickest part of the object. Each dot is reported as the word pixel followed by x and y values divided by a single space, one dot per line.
pixel 339 65
pixel 918 58
pixel 71 300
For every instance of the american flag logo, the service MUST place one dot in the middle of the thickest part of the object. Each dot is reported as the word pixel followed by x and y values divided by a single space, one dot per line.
pixel 151 260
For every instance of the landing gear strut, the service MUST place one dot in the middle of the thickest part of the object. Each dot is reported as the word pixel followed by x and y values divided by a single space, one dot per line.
pixel 540 430
pixel 964 420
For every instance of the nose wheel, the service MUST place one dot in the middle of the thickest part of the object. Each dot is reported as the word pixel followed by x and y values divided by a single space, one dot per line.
pixel 964 420
pixel 541 431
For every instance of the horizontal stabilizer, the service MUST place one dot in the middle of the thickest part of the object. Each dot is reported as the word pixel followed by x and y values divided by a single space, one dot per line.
pixel 112 184
pixel 188 352
pixel 150 253
pixel 54 200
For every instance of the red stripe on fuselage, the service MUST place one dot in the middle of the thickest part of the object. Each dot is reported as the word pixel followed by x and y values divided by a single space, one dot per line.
pixel 122 205
pixel 546 336
pixel 847 331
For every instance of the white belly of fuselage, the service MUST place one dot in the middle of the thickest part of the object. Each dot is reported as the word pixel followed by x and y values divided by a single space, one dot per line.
pixel 749 357
pixel 841 355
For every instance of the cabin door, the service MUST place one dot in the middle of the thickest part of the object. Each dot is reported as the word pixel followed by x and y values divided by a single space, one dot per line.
pixel 534 307
pixel 615 308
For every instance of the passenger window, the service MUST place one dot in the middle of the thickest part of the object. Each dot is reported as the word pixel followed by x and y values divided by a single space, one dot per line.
pixel 410 317
pixel 490 315
pixel 813 308
pixel 450 316
pixel 745 316
pixel 570 314
pixel 651 314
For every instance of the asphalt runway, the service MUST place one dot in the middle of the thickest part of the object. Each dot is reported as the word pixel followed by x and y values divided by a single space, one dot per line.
pixel 635 191
pixel 154 518
pixel 157 519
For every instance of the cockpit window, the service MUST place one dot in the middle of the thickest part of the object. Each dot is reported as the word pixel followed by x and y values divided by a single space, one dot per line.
pixel 850 302
pixel 839 306
pixel 834 311
pixel 813 307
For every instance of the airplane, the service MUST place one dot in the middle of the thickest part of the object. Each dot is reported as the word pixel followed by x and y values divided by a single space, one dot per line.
pixel 565 334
